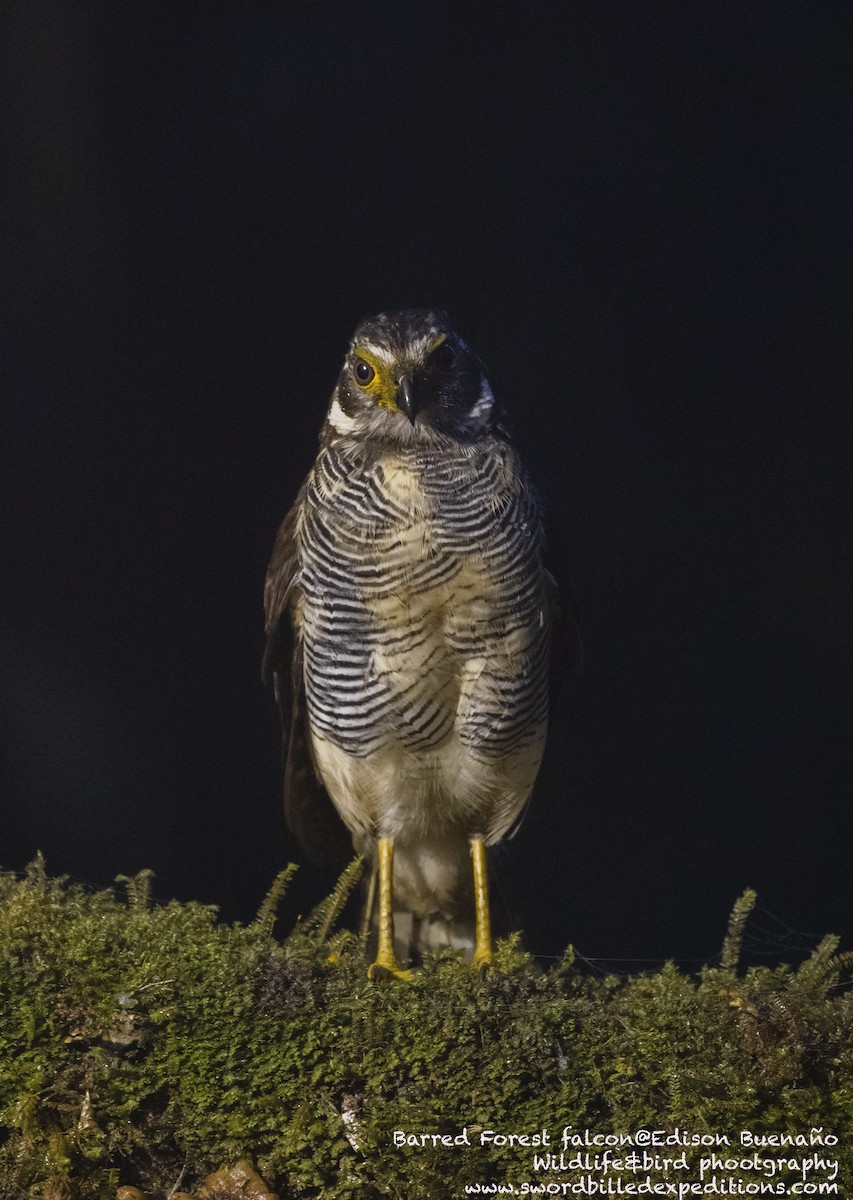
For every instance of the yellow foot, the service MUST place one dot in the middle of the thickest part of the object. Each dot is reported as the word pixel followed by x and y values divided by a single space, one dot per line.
pixel 482 962
pixel 387 965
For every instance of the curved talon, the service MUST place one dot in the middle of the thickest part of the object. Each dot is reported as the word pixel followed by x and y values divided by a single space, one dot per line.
pixel 378 969
pixel 482 964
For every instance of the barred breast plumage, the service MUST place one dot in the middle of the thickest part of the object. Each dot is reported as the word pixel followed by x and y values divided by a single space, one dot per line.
pixel 411 568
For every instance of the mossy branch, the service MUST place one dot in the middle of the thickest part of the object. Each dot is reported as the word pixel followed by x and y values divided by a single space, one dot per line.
pixel 319 923
pixel 268 911
pixel 821 971
pixel 138 888
pixel 730 956
pixel 139 1041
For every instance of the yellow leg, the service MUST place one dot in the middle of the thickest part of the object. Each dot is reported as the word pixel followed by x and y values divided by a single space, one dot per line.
pixel 386 960
pixel 482 923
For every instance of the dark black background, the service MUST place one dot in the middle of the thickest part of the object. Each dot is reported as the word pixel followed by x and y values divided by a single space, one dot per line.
pixel 638 215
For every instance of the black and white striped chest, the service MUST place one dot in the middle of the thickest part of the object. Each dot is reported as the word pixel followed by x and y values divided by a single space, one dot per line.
pixel 414 514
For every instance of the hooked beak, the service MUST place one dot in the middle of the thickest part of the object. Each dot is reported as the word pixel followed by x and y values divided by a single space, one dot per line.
pixel 405 398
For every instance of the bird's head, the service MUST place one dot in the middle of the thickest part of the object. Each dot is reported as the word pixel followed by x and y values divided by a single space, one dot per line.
pixel 408 376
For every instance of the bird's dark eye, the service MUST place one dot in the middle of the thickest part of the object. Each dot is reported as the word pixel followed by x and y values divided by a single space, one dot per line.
pixel 364 373
pixel 443 357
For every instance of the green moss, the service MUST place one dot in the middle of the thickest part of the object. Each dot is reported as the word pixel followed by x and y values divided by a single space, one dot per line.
pixel 138 1042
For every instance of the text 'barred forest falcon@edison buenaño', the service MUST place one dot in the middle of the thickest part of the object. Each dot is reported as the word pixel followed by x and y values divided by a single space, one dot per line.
pixel 408 616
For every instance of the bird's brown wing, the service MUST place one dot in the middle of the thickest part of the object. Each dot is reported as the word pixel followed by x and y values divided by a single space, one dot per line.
pixel 308 810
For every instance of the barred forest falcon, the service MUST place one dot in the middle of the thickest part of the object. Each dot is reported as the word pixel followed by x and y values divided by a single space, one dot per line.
pixel 408 616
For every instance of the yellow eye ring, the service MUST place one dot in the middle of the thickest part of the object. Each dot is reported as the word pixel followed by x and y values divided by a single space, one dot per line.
pixel 363 372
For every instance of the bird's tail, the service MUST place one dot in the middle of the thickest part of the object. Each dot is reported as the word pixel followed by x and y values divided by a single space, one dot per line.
pixel 415 936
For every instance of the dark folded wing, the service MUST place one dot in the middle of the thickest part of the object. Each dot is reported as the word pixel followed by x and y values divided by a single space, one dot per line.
pixel 308 810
